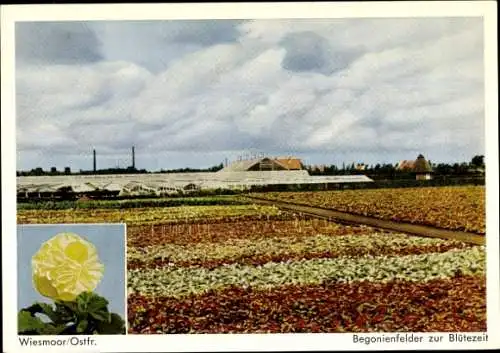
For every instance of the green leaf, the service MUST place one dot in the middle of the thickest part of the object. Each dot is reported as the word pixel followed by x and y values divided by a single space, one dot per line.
pixel 82 301
pixel 85 299
pixel 88 313
pixel 101 315
pixel 57 329
pixel 46 309
pixel 97 307
pixel 65 312
pixel 97 302
pixel 71 306
pixel 116 325
pixel 82 326
pixel 69 330
pixel 26 323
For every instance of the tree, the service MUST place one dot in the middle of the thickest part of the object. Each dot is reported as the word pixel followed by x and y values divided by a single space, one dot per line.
pixel 67 170
pixel 216 168
pixel 460 168
pixel 477 161
pixel 37 171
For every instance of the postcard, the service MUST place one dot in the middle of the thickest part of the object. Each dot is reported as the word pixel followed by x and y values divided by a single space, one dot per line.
pixel 250 177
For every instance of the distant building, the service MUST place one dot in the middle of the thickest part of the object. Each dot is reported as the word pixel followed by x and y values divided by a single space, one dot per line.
pixel 360 166
pixel 406 165
pixel 264 164
pixel 290 163
pixel 420 166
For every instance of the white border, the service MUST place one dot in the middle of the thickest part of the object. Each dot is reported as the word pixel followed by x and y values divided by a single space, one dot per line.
pixel 492 176
pixel 253 342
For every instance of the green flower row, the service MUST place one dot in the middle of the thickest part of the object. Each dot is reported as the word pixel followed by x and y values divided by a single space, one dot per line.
pixel 178 281
pixel 236 248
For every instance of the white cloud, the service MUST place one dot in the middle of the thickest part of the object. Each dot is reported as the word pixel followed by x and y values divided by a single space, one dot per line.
pixel 69 104
pixel 408 86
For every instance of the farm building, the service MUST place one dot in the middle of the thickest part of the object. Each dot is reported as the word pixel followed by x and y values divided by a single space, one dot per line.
pixel 407 165
pixel 264 164
pixel 290 163
pixel 420 166
pixel 422 169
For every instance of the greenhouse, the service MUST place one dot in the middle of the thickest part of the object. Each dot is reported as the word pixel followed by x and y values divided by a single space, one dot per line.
pixel 155 184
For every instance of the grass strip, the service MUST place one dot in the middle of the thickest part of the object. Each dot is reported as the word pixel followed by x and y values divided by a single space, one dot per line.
pixel 133 203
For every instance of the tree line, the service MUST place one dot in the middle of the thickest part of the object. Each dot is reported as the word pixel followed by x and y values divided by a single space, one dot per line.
pixel 475 167
pixel 130 170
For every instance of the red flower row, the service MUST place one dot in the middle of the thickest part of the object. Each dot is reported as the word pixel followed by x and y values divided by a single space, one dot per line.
pixel 457 304
pixel 180 234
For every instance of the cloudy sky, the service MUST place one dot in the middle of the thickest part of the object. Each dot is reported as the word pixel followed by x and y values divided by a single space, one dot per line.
pixel 192 93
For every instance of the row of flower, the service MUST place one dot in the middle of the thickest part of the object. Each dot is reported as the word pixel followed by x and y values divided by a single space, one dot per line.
pixel 288 273
pixel 153 215
pixel 278 249
pixel 177 281
pixel 454 207
pixel 255 269
pixel 283 225
pixel 440 305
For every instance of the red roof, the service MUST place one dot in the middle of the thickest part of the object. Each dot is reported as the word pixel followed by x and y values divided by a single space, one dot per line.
pixel 290 163
pixel 406 165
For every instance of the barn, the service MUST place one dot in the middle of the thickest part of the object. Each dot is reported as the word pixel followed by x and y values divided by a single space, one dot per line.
pixel 420 166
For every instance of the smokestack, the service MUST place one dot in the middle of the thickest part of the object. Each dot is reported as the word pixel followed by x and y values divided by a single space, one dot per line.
pixel 133 157
pixel 95 163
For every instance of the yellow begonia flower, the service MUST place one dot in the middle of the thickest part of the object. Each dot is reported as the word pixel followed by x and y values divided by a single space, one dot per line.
pixel 65 266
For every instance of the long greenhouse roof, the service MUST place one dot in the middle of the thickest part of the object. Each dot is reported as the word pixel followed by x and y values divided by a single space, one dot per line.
pixel 82 183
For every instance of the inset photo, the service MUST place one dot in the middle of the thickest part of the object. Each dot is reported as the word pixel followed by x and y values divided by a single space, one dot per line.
pixel 71 279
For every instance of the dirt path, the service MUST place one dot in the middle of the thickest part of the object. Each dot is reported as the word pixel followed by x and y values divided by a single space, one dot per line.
pixel 416 229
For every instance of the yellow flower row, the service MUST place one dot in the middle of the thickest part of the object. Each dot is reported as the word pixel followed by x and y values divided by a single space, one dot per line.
pixel 143 215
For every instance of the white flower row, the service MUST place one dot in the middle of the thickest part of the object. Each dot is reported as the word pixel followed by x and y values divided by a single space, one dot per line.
pixel 234 248
pixel 178 281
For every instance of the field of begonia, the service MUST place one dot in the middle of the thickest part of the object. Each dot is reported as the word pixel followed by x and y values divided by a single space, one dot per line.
pixel 459 208
pixel 256 269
